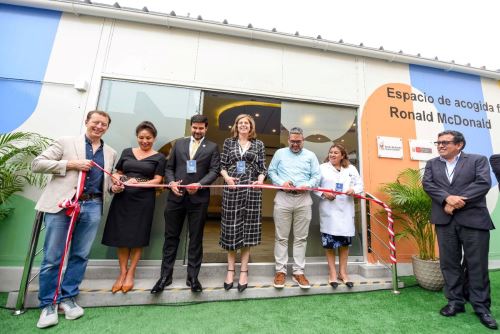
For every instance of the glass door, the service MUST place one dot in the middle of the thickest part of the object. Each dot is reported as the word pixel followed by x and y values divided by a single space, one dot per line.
pixel 169 109
pixel 324 125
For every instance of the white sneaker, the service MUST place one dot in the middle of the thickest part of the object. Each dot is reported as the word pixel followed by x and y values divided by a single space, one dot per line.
pixel 48 317
pixel 71 309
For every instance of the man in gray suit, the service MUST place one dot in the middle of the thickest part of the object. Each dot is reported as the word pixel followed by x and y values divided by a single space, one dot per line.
pixel 458 183
pixel 64 160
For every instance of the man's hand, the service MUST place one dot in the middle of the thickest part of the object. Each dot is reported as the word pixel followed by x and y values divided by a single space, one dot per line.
pixel 173 186
pixel 193 188
pixel 449 209
pixel 456 201
pixel 83 165
pixel 288 184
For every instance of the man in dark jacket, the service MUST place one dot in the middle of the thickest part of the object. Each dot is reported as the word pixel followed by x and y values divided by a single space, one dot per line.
pixel 458 183
pixel 495 166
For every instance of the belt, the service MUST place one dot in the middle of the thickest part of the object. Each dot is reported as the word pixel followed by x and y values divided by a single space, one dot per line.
pixel 292 192
pixel 89 197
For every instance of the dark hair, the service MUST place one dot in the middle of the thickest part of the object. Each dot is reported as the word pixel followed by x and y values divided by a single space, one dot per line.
pixel 458 137
pixel 99 112
pixel 345 160
pixel 148 126
pixel 199 119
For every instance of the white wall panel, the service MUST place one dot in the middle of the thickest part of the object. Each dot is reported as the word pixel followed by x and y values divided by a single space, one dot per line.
pixel 320 74
pixel 239 64
pixel 75 47
pixel 58 112
pixel 148 51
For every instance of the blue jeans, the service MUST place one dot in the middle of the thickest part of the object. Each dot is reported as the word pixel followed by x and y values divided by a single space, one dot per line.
pixel 55 238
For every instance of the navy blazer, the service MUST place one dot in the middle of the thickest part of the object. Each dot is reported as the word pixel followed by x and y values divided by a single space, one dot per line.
pixel 207 168
pixel 471 179
pixel 495 166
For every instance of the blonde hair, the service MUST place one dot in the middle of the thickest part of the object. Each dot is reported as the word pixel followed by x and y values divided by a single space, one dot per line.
pixel 234 130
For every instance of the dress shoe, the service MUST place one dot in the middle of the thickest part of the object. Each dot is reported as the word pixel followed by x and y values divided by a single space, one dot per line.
pixel 194 284
pixel 487 320
pixel 349 284
pixel 451 310
pixel 334 284
pixel 242 287
pixel 119 283
pixel 161 284
pixel 127 288
pixel 228 286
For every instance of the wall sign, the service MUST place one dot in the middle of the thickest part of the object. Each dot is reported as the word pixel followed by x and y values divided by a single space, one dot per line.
pixel 390 147
pixel 422 150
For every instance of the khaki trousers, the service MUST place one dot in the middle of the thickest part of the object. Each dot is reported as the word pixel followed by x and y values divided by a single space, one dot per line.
pixel 291 211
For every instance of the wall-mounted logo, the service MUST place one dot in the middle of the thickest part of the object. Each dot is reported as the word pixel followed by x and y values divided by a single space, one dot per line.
pixel 390 147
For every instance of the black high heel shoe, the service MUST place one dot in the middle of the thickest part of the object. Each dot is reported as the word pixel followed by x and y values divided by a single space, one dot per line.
pixel 349 284
pixel 242 287
pixel 228 286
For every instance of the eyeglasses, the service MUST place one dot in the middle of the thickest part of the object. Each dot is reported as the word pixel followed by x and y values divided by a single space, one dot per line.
pixel 444 142
pixel 296 142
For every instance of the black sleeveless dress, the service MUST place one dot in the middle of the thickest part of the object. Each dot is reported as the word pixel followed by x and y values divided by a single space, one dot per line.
pixel 131 212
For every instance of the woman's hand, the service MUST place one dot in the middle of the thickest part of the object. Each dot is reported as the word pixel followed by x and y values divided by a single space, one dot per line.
pixel 117 188
pixel 350 191
pixel 328 196
pixel 231 181
pixel 132 180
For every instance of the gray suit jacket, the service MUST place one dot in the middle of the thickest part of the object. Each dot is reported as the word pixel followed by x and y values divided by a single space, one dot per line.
pixel 471 179
pixel 63 183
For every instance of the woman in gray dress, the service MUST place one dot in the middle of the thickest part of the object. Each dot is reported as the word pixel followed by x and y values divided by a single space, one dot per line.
pixel 242 162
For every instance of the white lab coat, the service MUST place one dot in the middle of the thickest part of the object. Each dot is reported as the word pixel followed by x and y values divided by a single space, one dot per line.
pixel 337 216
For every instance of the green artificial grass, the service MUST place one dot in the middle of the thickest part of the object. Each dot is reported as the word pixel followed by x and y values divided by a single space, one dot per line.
pixel 415 310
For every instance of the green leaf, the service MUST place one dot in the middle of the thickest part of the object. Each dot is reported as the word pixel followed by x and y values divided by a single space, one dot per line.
pixel 411 207
pixel 17 151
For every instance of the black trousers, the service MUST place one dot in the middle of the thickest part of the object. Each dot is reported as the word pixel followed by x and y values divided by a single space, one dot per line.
pixel 175 214
pixel 452 239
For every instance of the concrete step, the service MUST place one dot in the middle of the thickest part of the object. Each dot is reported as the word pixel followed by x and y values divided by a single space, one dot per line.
pixel 96 287
pixel 98 292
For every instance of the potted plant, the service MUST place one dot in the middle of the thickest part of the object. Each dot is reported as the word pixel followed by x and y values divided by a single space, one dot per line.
pixel 412 209
pixel 17 150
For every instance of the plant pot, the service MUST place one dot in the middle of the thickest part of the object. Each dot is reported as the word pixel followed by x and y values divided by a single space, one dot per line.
pixel 428 273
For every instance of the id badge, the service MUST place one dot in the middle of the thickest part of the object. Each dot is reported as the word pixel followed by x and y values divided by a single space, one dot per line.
pixel 240 167
pixel 339 187
pixel 191 166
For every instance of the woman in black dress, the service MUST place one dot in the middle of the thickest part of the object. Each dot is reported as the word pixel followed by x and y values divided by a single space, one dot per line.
pixel 242 162
pixel 130 216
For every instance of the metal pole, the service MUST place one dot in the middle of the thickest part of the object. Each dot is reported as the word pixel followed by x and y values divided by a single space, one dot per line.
pixel 395 279
pixel 28 264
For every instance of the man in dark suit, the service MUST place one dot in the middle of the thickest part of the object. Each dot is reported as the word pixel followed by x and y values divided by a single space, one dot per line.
pixel 194 161
pixel 495 166
pixel 458 183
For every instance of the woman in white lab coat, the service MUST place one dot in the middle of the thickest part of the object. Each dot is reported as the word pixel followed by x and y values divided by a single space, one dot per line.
pixel 337 211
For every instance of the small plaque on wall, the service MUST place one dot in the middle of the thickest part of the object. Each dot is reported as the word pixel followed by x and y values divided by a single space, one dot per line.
pixel 422 150
pixel 390 147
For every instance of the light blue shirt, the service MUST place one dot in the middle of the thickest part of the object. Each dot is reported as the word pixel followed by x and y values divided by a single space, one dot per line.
pixel 301 168
pixel 450 166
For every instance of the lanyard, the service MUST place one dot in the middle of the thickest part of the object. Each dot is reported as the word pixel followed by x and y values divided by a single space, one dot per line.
pixel 243 150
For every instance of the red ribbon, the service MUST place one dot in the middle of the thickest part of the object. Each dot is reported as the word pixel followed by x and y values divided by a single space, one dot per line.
pixel 390 221
pixel 72 210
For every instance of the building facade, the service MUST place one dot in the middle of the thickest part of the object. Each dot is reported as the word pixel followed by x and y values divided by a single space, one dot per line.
pixel 61 59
